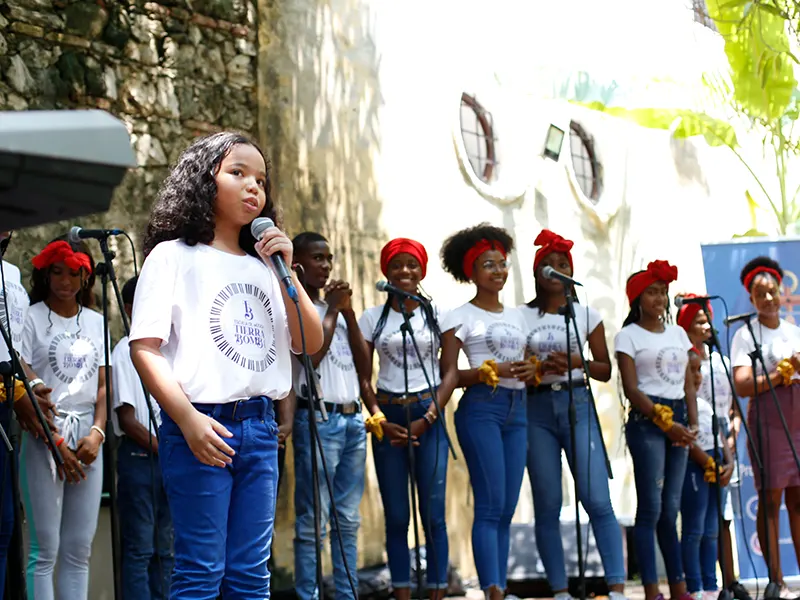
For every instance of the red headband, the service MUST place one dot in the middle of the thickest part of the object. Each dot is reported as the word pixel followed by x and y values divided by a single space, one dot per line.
pixel 407 246
pixel 61 251
pixel 748 280
pixel 468 264
pixel 658 270
pixel 688 312
pixel 551 242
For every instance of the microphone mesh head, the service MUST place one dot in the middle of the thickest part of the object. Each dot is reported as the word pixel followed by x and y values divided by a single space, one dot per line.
pixel 74 235
pixel 380 286
pixel 260 225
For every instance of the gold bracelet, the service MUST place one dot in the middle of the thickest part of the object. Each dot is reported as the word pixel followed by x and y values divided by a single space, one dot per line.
pixel 786 370
pixel 537 378
pixel 662 417
pixel 373 425
pixel 487 373
pixel 710 474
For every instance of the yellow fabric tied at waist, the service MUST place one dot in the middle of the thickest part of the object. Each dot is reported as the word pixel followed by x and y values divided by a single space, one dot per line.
pixel 487 373
pixel 662 417
pixel 373 425
pixel 786 370
pixel 19 391
pixel 710 474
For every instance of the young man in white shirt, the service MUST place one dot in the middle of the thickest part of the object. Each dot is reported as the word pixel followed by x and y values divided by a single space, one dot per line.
pixel 342 357
pixel 146 526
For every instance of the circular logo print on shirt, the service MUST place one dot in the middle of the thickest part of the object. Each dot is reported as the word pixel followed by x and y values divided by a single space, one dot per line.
pixel 392 348
pixel 339 351
pixel 241 324
pixel 545 339
pixel 17 303
pixel 671 365
pixel 73 357
pixel 505 341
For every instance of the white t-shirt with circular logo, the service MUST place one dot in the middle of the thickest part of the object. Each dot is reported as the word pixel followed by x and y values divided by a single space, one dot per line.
pixel 722 387
pixel 338 379
pixel 705 429
pixel 660 358
pixel 776 344
pixel 490 336
pixel 389 347
pixel 18 303
pixel 547 333
pixel 66 353
pixel 221 319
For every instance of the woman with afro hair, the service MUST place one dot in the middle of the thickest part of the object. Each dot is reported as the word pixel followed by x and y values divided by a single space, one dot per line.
pixel 780 344
pixel 491 417
pixel 211 338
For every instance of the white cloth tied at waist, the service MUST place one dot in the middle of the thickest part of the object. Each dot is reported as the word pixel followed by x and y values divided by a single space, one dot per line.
pixel 74 425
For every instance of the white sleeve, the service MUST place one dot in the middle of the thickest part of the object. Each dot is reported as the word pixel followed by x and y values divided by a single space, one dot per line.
pixel 741 347
pixel 367 324
pixel 155 290
pixel 687 344
pixel 118 377
pixel 451 320
pixel 28 339
pixel 624 343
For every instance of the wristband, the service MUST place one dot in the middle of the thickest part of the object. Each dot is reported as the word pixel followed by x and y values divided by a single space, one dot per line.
pixel 786 370
pixel 373 425
pixel 35 382
pixel 487 373
pixel 100 431
pixel 59 442
pixel 710 474
pixel 537 378
pixel 430 418
pixel 662 417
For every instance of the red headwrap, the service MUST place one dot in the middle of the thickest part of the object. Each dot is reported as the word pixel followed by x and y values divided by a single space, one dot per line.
pixel 61 251
pixel 407 246
pixel 748 280
pixel 658 270
pixel 551 242
pixel 689 311
pixel 468 264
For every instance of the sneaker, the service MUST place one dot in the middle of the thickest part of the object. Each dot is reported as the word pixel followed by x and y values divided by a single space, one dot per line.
pixel 787 593
pixel 739 591
pixel 617 596
pixel 709 595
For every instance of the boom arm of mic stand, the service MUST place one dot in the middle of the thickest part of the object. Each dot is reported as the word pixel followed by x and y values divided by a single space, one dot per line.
pixel 585 366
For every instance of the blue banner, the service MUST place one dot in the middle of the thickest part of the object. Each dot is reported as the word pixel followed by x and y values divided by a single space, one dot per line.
pixel 722 264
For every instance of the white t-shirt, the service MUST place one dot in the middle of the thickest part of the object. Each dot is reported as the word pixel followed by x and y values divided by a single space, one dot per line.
pixel 18 304
pixel 490 336
pixel 67 356
pixel 705 431
pixel 127 388
pixel 337 370
pixel 547 333
pixel 776 344
pixel 389 347
pixel 221 319
pixel 660 358
pixel 722 387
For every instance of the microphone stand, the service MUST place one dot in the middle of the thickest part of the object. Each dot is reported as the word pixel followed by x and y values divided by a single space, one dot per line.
pixel 757 358
pixel 568 312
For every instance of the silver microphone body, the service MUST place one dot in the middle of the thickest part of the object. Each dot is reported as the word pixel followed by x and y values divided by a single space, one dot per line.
pixel 76 234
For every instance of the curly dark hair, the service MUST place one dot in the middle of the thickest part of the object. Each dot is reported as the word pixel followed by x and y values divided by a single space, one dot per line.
pixel 458 244
pixel 759 261
pixel 184 208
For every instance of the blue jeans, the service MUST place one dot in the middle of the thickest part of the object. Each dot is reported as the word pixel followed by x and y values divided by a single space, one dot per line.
pixel 6 496
pixel 430 475
pixel 548 435
pixel 344 442
pixel 699 514
pixel 146 526
pixel 491 428
pixel 658 469
pixel 223 517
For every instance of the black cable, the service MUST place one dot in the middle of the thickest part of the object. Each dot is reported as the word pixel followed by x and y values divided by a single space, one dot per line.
pixel 133 251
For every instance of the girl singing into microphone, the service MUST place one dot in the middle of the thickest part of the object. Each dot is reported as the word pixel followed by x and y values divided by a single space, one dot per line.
pixel 404 262
pixel 491 416
pixel 780 343
pixel 653 359
pixel 211 337
pixel 63 342
pixel 548 420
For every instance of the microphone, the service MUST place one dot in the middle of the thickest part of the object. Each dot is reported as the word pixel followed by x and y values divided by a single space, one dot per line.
pixel 701 300
pixel 76 234
pixel 257 228
pixel 385 286
pixel 550 273
pixel 736 318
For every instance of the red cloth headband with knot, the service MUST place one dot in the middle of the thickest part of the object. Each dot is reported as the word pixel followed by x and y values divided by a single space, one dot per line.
pixel 748 280
pixel 688 312
pixel 468 264
pixel 401 246
pixel 551 242
pixel 61 251
pixel 658 270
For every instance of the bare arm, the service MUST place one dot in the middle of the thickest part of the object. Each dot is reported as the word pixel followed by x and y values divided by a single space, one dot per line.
pixel 365 382
pixel 743 381
pixel 600 365
pixel 137 432
pixel 312 326
pixel 630 385
pixel 100 412
pixel 328 329
pixel 448 365
pixel 690 392
pixel 362 353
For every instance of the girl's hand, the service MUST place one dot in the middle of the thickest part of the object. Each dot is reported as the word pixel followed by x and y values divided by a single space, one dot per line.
pixel 202 434
pixel 72 471
pixel 681 435
pixel 284 431
pixel 275 241
pixel 89 447
pixel 397 434
pixel 524 370
pixel 418 427
pixel 564 361
pixel 725 474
